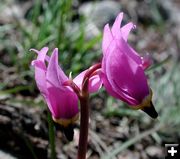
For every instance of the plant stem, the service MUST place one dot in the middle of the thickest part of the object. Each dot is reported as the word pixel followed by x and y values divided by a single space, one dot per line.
pixel 84 125
pixel 51 136
pixel 84 111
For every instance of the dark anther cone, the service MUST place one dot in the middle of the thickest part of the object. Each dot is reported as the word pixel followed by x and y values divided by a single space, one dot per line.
pixel 69 132
pixel 151 111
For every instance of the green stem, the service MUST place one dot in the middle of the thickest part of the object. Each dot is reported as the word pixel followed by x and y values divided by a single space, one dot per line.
pixel 51 136
pixel 84 125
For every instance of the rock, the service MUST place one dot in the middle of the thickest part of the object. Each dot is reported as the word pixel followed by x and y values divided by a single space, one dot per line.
pixel 172 9
pixel 5 155
pixel 151 12
pixel 154 151
pixel 129 155
pixel 101 12
pixel 12 10
pixel 90 30
pixel 21 127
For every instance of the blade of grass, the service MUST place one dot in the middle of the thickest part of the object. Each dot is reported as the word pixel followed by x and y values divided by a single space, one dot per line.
pixel 155 66
pixel 120 148
pixel 29 145
pixel 51 136
pixel 36 11
pixel 15 89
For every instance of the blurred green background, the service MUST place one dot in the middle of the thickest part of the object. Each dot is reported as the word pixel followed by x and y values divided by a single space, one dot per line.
pixel 75 28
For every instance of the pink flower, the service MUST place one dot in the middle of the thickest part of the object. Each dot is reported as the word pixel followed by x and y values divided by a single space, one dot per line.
pixel 50 81
pixel 122 68
pixel 62 101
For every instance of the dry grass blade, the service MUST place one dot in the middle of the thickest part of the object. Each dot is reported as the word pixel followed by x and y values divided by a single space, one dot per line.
pixel 113 153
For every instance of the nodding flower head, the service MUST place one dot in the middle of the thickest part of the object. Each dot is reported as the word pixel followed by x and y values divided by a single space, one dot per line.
pixel 123 69
pixel 49 80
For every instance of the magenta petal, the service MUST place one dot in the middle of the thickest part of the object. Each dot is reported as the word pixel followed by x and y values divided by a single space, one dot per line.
pixel 40 70
pixel 116 26
pixel 95 82
pixel 119 95
pixel 123 96
pixel 128 50
pixel 42 53
pixel 107 38
pixel 55 76
pixel 109 49
pixel 64 103
pixel 125 75
pixel 39 64
pixel 122 34
pixel 125 30
pixel 79 78
pixel 108 86
pixel 40 76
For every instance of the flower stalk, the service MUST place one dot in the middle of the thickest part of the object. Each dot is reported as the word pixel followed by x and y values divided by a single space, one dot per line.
pixel 84 111
pixel 84 126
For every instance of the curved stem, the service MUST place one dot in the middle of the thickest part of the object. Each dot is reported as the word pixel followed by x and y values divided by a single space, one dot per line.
pixel 91 70
pixel 84 125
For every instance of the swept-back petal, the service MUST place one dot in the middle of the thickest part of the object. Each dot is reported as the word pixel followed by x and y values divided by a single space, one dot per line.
pixel 40 70
pixel 125 75
pixel 111 47
pixel 128 50
pixel 64 103
pixel 42 53
pixel 40 76
pixel 107 38
pixel 125 30
pixel 117 24
pixel 55 76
